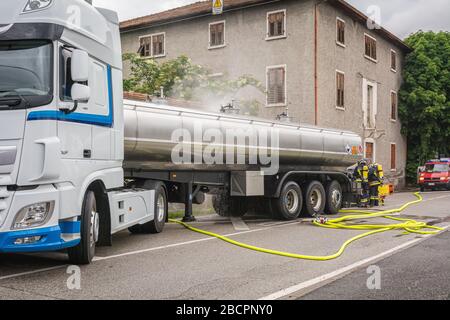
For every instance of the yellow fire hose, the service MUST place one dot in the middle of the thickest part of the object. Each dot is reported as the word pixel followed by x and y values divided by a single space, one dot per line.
pixel 408 225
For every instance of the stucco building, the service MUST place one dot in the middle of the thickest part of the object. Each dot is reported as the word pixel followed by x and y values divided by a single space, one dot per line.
pixel 322 60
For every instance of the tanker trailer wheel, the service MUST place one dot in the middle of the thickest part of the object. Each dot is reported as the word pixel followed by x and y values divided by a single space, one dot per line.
pixel 227 206
pixel 315 199
pixel 289 205
pixel 84 252
pixel 333 197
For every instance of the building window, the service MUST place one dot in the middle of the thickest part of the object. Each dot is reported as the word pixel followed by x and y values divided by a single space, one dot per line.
pixel 153 45
pixel 340 90
pixel 276 86
pixel 276 24
pixel 340 29
pixel 393 156
pixel 370 151
pixel 369 104
pixel 370 47
pixel 393 61
pixel 217 34
pixel 158 45
pixel 393 106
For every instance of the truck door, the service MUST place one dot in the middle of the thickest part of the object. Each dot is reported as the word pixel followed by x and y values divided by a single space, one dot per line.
pixel 85 133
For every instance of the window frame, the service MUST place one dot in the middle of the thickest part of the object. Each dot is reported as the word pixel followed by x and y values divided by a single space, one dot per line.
pixel 283 104
pixel 396 105
pixel 396 60
pixel 339 43
pixel 210 47
pixel 151 45
pixel 268 36
pixel 374 149
pixel 336 75
pixel 366 35
pixel 393 144
pixel 62 67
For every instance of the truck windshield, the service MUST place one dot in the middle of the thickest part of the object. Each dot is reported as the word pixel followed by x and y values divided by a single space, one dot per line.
pixel 436 168
pixel 26 69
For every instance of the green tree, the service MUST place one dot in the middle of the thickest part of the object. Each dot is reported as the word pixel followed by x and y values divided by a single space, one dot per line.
pixel 182 79
pixel 424 100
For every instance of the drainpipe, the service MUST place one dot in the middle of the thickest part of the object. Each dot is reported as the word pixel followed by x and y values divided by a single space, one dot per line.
pixel 316 72
pixel 316 85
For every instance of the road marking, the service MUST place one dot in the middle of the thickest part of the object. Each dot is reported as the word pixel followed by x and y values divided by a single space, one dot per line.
pixel 345 270
pixel 183 243
pixel 446 196
pixel 31 272
pixel 239 224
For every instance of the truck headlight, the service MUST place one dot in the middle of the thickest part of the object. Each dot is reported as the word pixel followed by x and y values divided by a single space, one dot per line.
pixel 443 178
pixel 34 215
pixel 33 5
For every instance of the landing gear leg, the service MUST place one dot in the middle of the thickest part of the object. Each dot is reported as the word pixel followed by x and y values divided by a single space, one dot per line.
pixel 188 215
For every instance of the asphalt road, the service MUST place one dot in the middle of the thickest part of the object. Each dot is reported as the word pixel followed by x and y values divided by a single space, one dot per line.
pixel 419 273
pixel 180 264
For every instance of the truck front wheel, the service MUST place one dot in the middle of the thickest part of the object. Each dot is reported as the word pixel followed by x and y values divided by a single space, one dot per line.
pixel 84 252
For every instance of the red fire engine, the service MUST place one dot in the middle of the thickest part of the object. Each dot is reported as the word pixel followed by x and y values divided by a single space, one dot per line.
pixel 435 174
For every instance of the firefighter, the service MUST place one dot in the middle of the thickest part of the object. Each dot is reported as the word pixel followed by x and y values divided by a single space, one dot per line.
pixel 361 175
pixel 376 176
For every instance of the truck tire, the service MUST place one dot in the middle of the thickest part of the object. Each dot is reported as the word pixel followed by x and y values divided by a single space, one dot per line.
pixel 289 205
pixel 314 199
pixel 334 197
pixel 161 212
pixel 84 252
pixel 227 206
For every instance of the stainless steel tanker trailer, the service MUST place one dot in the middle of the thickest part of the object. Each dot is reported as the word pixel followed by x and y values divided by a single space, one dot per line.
pixel 171 145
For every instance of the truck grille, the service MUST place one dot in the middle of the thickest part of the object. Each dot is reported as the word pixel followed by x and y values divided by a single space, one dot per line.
pixel 4 203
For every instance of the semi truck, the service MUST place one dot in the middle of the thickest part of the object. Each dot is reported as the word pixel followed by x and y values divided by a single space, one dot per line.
pixel 78 163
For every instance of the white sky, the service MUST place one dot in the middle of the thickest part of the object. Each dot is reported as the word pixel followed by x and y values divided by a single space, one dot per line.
pixel 399 16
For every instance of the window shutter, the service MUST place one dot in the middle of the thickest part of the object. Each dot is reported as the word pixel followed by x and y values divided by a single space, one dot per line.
pixel 393 156
pixel 393 106
pixel 393 60
pixel 276 91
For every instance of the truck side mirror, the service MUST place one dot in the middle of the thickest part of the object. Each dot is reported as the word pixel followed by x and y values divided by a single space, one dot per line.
pixel 80 66
pixel 80 92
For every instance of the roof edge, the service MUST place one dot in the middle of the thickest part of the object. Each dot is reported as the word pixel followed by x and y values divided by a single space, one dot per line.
pixel 204 8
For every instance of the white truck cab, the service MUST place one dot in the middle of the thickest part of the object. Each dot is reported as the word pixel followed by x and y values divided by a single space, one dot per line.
pixel 61 129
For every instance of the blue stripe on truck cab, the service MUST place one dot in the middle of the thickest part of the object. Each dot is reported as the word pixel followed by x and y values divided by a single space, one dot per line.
pixel 50 238
pixel 70 226
pixel 92 119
